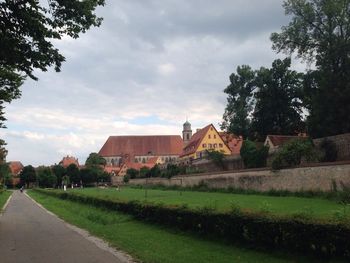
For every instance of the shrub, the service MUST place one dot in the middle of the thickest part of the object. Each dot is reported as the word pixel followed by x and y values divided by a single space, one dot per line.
pixel 292 153
pixel 132 173
pixel 144 172
pixel 253 157
pixel 126 179
pixel 155 171
pixel 329 150
pixel 298 233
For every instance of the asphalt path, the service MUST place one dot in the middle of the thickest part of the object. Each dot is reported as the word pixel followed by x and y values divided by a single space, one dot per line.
pixel 29 234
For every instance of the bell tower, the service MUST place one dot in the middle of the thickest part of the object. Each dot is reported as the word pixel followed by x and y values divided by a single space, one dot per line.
pixel 186 132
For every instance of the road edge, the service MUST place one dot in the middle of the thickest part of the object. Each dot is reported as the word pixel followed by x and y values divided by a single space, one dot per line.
pixel 100 243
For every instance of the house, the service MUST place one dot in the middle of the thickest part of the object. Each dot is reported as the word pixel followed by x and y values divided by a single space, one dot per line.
pixel 274 142
pixel 234 142
pixel 68 160
pixel 207 138
pixel 118 150
pixel 15 169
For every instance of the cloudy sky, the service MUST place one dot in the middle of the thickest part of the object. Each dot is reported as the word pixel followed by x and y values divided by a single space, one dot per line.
pixel 150 64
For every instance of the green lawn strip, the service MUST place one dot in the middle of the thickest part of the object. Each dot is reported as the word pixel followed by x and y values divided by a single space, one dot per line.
pixel 151 243
pixel 313 207
pixel 4 196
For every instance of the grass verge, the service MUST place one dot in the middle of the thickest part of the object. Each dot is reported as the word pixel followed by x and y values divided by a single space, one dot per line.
pixel 151 243
pixel 4 195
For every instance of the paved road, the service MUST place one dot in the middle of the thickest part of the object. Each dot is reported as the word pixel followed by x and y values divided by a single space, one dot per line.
pixel 28 234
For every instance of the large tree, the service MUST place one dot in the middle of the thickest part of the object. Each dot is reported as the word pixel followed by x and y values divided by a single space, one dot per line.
pixel 319 32
pixel 95 159
pixel 27 28
pixel 278 108
pixel 59 171
pixel 236 118
pixel 73 173
pixel 45 177
pixel 28 175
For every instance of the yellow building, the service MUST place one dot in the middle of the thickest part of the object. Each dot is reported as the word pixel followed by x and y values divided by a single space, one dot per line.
pixel 204 139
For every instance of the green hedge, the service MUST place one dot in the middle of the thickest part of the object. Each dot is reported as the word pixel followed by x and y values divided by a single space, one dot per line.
pixel 291 234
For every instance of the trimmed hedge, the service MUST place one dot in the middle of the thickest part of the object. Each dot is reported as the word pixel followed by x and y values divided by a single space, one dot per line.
pixel 291 234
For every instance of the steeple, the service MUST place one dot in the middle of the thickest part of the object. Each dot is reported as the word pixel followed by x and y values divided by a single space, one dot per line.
pixel 186 132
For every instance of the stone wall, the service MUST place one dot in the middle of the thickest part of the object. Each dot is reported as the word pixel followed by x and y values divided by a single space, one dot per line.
pixel 297 179
pixel 342 143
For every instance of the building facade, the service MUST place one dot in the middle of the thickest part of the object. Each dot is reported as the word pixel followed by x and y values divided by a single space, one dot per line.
pixel 203 140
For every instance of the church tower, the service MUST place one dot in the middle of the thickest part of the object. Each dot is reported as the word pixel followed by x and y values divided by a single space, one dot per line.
pixel 186 133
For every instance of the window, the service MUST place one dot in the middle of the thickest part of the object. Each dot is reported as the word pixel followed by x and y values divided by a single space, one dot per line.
pixel 214 136
pixel 210 145
pixel 220 145
pixel 209 136
pixel 187 136
pixel 215 145
pixel 204 145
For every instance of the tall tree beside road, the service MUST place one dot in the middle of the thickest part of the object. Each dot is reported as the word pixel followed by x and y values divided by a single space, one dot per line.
pixel 319 32
pixel 27 28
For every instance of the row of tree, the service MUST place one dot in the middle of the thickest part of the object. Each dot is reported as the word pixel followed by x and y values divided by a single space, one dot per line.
pixel 57 175
pixel 279 100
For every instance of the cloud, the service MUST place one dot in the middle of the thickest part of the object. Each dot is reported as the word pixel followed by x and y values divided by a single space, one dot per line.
pixel 149 65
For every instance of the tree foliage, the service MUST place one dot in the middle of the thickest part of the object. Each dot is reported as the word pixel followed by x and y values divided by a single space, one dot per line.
pixel 278 108
pixel 45 177
pixel 293 152
pixel 319 32
pixel 236 118
pixel 59 171
pixel 27 31
pixel 265 101
pixel 252 156
pixel 73 173
pixel 132 173
pixel 28 175
pixel 95 159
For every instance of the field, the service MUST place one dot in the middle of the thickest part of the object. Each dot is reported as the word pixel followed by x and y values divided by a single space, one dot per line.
pixel 313 207
pixel 4 195
pixel 152 243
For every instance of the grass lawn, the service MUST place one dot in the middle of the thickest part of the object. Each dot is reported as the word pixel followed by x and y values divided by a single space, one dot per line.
pixel 4 195
pixel 151 243
pixel 314 207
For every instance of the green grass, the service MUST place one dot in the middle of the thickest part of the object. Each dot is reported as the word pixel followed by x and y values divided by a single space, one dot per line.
pixel 4 195
pixel 313 207
pixel 151 243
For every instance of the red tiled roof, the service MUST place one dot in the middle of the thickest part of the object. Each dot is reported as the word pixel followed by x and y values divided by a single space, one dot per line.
pixel 278 140
pixel 110 169
pixel 68 160
pixel 234 142
pixel 15 167
pixel 142 145
pixel 153 160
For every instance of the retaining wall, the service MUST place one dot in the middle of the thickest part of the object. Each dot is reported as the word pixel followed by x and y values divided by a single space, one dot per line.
pixel 304 178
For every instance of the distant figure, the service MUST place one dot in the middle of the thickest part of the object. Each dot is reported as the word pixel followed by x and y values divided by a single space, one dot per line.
pixel 21 189
pixel 64 187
